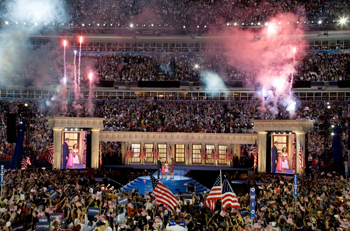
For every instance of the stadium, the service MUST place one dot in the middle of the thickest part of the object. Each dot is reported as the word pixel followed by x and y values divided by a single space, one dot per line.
pixel 174 115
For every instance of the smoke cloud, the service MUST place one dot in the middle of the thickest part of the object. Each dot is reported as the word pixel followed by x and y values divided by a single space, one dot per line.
pixel 212 81
pixel 268 56
pixel 17 62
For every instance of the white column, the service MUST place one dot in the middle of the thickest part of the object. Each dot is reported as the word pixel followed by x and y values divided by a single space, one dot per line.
pixel 203 146
pixel 95 141
pixel 300 139
pixel 190 160
pixel 57 155
pixel 123 152
pixel 262 152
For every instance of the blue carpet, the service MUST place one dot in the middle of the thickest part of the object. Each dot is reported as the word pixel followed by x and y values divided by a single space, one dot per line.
pixel 177 185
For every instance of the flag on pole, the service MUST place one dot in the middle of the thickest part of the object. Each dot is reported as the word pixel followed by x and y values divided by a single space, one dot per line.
pixel 51 152
pixel 229 198
pixel 163 194
pixel 214 194
pixel 217 154
pixel 301 162
pixel 24 164
pixel 28 160
pixel 188 151
pixel 100 152
pixel 170 151
pixel 144 151
pixel 202 154
pixel 255 154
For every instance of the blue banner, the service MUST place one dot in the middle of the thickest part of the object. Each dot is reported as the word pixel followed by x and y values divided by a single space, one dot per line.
pixel 187 195
pixel 182 223
pixel 243 212
pixel 123 201
pixel 346 168
pixel 43 219
pixel 53 195
pixel 92 211
pixel 2 172
pixel 172 223
pixel 295 185
pixel 54 215
pixel 252 202
pixel 42 226
pixel 18 227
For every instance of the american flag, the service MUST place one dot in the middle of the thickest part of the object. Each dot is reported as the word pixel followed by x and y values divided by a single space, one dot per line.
pixel 100 150
pixel 255 154
pixel 229 198
pixel 170 151
pixel 51 151
pixel 301 162
pixel 25 162
pixel 214 194
pixel 188 151
pixel 163 194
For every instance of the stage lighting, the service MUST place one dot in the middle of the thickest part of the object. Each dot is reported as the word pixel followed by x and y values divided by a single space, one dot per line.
pixel 26 105
pixel 329 107
pixel 35 24
pixel 197 26
pixel 259 23
pixel 332 133
pixel 235 24
pixel 184 27
pixel 16 22
pixel 75 52
pixel 342 20
pixel 332 126
pixel 131 25
pixel 98 24
pixel 64 80
pixel 320 22
pixel 266 23
pixel 83 24
pixel 6 22
pixel 196 66
pixel 151 24
pixel 227 24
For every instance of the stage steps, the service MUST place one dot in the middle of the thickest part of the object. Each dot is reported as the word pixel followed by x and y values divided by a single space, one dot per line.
pixel 176 185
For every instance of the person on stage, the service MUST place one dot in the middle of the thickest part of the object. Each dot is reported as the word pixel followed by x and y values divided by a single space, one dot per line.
pixel 274 157
pixel 279 163
pixel 70 159
pixel 166 169
pixel 163 170
pixel 65 153
pixel 159 166
pixel 75 156
pixel 285 164
pixel 172 169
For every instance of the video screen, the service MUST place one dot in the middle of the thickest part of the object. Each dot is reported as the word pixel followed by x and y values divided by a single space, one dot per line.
pixel 283 153
pixel 74 150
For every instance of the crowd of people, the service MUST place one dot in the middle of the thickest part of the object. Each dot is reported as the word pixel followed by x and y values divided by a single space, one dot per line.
pixel 168 13
pixel 74 200
pixel 190 67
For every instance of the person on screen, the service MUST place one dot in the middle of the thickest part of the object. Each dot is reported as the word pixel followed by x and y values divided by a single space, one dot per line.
pixel 70 159
pixel 279 163
pixel 65 153
pixel 274 157
pixel 285 164
pixel 75 156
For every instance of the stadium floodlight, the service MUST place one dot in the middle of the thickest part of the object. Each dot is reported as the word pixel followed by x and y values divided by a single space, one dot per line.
pixel 131 25
pixel 319 22
pixel 342 21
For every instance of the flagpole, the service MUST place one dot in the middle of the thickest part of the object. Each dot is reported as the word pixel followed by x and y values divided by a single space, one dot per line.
pixel 221 188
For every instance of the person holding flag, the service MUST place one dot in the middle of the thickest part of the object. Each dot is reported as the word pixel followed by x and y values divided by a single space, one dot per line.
pixel 163 195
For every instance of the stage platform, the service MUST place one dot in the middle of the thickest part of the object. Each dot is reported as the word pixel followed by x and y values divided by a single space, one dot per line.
pixel 177 185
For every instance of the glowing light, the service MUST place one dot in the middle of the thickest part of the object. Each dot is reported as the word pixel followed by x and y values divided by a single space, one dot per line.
pixel 184 27
pixel 64 42
pixel 319 22
pixel 272 29
pixel 294 50
pixel 329 107
pixel 64 80
pixel 235 24
pixel 228 24
pixel 16 22
pixel 131 25
pixel 151 24
pixel 83 24
pixel 196 66
pixel 332 133
pixel 205 26
pixel 81 39
pixel 6 22
pixel 259 23
pixel 266 23
pixel 90 76
pixel 197 26
pixel 26 105
pixel 332 126
pixel 75 52
pixel 342 20
pixel 36 24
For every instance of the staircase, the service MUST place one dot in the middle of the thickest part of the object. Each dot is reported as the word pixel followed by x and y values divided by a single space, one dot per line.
pixel 176 185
